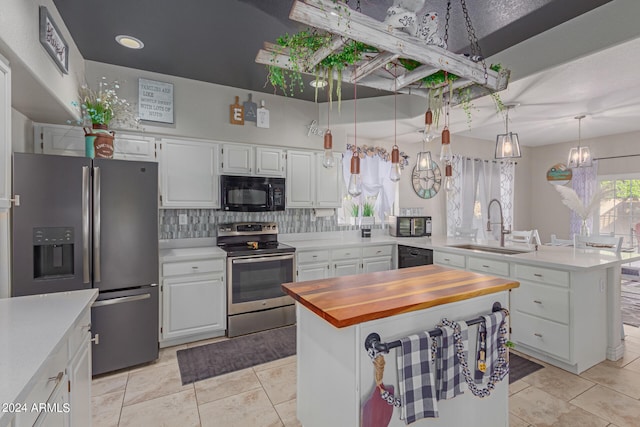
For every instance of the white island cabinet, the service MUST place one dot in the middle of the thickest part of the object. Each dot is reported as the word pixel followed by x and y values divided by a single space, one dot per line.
pixel 193 294
pixel 45 359
pixel 566 311
pixel 335 376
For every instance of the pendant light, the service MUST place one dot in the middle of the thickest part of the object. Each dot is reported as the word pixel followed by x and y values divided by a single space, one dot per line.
pixel 396 171
pixel 328 161
pixel 446 155
pixel 424 157
pixel 355 180
pixel 579 157
pixel 507 144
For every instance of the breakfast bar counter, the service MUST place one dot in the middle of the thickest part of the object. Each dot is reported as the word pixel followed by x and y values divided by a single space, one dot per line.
pixel 334 317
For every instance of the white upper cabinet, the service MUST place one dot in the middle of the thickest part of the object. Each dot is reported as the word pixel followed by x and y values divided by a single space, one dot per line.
pixel 244 159
pixel 189 174
pixel 329 182
pixel 5 135
pixel 309 184
pixel 270 162
pixel 300 182
pixel 237 159
pixel 69 141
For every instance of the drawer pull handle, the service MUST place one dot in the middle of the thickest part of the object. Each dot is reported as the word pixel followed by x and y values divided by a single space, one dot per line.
pixel 58 379
pixel 96 339
pixel 485 266
pixel 348 253
pixel 195 267
pixel 447 259
pixel 537 274
pixel 378 252
pixel 537 302
pixel 538 335
pixel 315 256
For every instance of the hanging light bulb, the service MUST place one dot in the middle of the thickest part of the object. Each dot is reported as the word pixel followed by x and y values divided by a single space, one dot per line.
pixel 328 161
pixel 424 157
pixel 446 155
pixel 396 171
pixel 448 178
pixel 355 180
pixel 579 157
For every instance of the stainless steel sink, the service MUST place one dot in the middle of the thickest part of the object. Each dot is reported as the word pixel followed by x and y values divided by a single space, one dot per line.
pixel 492 249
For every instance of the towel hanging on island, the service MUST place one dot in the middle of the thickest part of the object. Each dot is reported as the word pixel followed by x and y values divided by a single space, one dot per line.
pixel 488 345
pixel 451 382
pixel 415 378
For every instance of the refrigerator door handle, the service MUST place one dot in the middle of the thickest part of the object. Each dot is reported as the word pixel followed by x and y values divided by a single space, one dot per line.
pixel 120 300
pixel 85 224
pixel 96 225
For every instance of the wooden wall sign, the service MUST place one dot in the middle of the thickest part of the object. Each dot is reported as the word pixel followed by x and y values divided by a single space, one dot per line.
pixel 236 113
pixel 52 41
pixel 155 101
pixel 559 174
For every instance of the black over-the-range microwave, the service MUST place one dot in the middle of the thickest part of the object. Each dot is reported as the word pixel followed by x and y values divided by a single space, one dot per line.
pixel 251 193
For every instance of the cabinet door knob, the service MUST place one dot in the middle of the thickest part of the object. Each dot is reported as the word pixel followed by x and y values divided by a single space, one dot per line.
pixel 96 339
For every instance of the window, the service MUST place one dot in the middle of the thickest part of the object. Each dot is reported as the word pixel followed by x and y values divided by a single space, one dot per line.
pixel 475 183
pixel 619 212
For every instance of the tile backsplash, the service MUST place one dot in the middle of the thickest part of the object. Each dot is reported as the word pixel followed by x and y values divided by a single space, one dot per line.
pixel 203 222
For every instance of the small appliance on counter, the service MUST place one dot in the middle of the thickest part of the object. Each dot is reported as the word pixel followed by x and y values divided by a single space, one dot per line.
pixel 410 226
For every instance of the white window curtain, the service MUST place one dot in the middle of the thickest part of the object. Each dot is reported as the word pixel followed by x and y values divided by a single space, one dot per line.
pixel 475 183
pixel 375 181
pixel 585 183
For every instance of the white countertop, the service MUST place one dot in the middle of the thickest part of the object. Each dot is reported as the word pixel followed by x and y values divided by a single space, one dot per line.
pixel 549 256
pixel 31 328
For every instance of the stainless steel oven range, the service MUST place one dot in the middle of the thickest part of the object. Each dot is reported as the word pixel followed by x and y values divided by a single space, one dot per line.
pixel 257 266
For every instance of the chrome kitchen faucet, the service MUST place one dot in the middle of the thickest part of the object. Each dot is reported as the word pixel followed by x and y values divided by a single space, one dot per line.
pixel 503 230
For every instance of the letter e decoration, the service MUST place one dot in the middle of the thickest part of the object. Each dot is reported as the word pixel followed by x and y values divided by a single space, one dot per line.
pixel 237 113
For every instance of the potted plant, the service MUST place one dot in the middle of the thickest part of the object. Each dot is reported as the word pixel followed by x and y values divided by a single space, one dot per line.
pixel 367 214
pixel 98 109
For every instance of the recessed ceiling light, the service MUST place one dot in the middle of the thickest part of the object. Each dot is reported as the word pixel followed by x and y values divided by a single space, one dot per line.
pixel 319 83
pixel 130 42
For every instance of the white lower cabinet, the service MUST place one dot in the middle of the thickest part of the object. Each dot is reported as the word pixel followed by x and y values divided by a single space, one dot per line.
pixel 193 302
pixel 61 395
pixel 326 263
pixel 556 315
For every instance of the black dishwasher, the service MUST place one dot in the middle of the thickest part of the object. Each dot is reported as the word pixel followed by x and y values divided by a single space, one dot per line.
pixel 413 257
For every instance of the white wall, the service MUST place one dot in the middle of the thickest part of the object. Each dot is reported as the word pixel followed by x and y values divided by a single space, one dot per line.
pixel 33 69
pixel 548 214
pixel 202 110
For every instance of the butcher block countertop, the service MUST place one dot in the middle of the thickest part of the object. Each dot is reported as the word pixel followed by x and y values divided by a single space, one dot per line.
pixel 350 300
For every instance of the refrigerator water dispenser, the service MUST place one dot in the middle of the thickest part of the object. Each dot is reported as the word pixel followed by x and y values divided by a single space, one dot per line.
pixel 53 252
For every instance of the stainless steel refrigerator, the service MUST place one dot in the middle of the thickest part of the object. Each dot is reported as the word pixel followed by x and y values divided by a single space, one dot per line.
pixel 92 223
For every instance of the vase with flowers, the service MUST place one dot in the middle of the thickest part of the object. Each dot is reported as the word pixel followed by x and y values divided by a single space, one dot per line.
pixel 99 107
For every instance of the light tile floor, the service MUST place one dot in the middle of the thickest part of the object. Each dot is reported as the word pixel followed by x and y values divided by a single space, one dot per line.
pixel 607 395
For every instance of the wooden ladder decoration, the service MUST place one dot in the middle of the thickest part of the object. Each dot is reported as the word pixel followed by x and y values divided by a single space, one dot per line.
pixel 391 44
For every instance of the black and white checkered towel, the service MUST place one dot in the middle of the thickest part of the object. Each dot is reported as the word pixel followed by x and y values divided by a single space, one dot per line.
pixel 451 382
pixel 490 327
pixel 415 378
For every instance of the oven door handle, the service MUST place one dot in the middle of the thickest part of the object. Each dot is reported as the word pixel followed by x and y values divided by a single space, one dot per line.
pixel 253 260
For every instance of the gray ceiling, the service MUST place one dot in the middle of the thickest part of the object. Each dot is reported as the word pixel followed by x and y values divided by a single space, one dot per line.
pixel 217 41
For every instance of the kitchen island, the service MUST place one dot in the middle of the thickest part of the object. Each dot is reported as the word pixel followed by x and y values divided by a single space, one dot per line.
pixel 45 359
pixel 334 316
